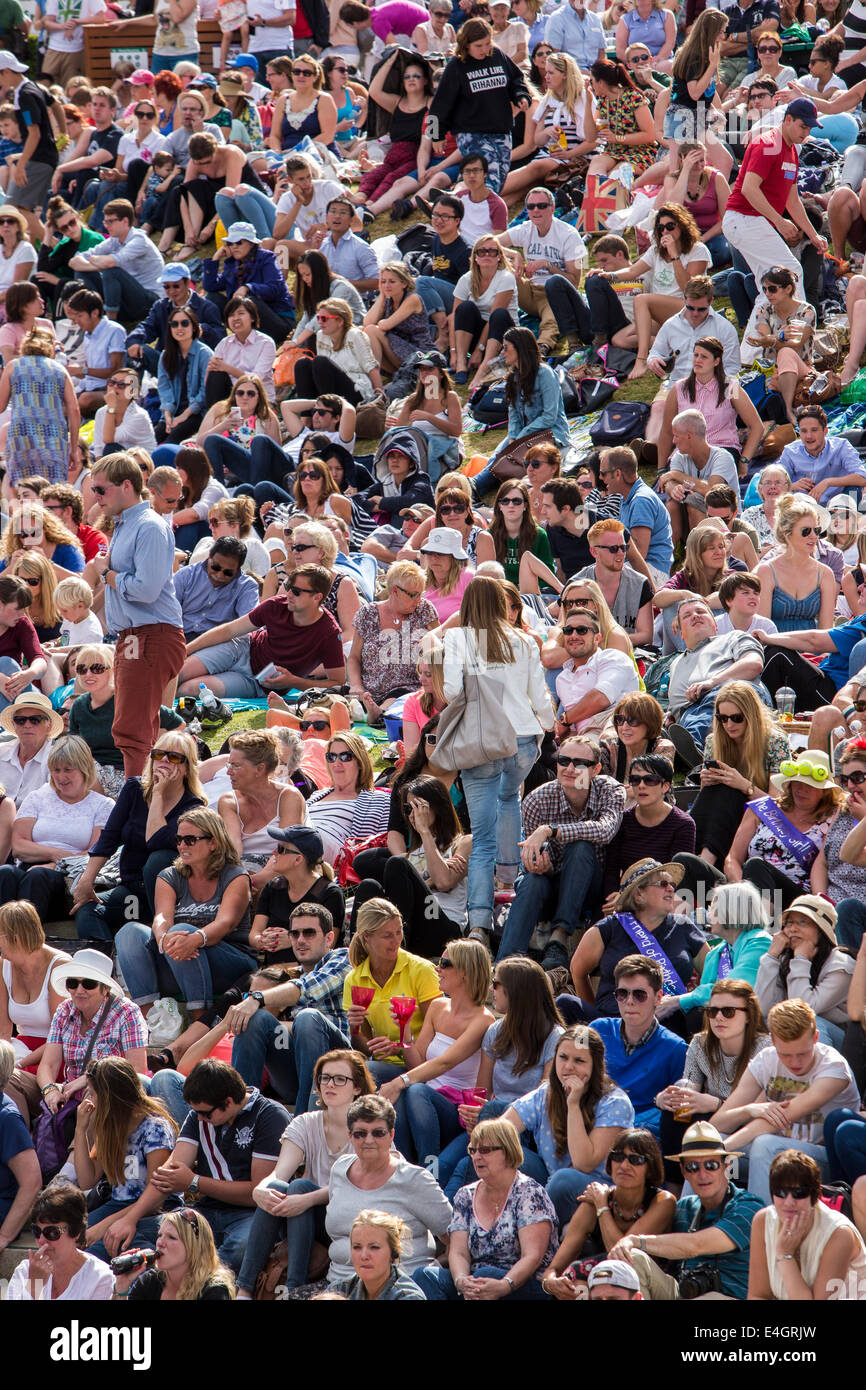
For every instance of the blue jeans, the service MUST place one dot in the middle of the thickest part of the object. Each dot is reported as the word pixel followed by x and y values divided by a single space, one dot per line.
pixel 146 1231
pixel 438 1286
pixel 225 454
pixel 249 206
pixel 167 1086
pixel 492 792
pixel 289 1056
pixel 301 1231
pixel 850 923
pixel 845 1141
pixel 231 1228
pixel 763 1150
pixel 8 667
pixel 98 192
pixel 564 1187
pixel 719 250
pixel 832 1034
pixel 436 294
pixel 148 973
pixel 453 1153
pixel 127 902
pixel 432 1121
pixel 124 295
pixel 558 898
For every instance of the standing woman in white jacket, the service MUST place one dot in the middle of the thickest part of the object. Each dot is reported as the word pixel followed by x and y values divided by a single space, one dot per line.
pixel 486 644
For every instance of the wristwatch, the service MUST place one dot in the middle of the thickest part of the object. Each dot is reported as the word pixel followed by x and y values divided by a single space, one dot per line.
pixel 193 1187
pixel 258 996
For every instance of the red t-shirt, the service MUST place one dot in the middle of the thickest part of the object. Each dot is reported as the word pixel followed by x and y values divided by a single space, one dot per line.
pixel 90 540
pixel 776 164
pixel 20 642
pixel 300 27
pixel 297 649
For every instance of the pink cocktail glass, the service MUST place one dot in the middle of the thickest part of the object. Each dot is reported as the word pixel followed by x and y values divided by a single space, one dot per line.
pixel 362 996
pixel 403 1007
pixel 474 1095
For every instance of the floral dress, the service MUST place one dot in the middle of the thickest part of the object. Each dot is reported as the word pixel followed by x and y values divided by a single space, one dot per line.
pixel 619 114
pixel 767 317
pixel 388 659
pixel 527 1204
pixel 412 335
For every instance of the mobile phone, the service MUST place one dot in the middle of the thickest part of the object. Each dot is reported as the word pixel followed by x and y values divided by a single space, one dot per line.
pixel 711 762
pixel 267 673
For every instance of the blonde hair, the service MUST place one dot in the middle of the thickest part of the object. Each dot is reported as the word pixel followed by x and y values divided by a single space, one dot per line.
pixel 373 914
pixel 223 853
pixel 72 751
pixel 340 309
pixel 748 755
pixel 120 468
pixel 258 746
pixel 401 272
pixel 38 342
pixel 38 565
pixel 454 480
pixel 101 651
pixel 7 1063
pixel 790 1019
pixel 73 590
pixel 500 1134
pixel 791 508
pixel 697 541
pixel 395 1228
pixel 176 741
pixel 451 580
pixel 404 572
pixel 474 267
pixel 34 515
pixel 20 924
pixel 575 87
pixel 358 749
pixel 472 960
pixel 203 1264
pixel 321 537
pixel 238 511
pixel 433 653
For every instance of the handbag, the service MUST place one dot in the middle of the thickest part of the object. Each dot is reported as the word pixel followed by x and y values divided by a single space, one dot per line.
pixel 344 863
pixel 285 362
pixel 620 422
pixel 53 1132
pixel 511 462
pixel 473 729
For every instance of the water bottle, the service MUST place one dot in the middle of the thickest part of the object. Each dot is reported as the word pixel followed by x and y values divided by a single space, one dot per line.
pixel 207 699
pixel 785 701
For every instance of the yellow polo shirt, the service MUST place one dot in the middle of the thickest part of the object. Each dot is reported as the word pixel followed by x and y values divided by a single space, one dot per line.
pixel 413 976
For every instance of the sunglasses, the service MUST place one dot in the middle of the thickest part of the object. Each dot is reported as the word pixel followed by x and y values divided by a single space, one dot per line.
pixel 287 849
pixel 662 883
pixel 181 323
pixel 231 571
pixel 580 629
pixel 49 1233
pixel 631 719
pixel 769 48
pixel 430 738
pixel 798 1193
pixel 537 207
pixel 563 760
pixel 323 318
pixel 726 1010
pixel 579 603
pixel 774 289
pixel 336 69
pixel 189 1216
pixel 8 222
pixel 731 718
pixel 613 549
pixel 454 510
pixel 99 491
pixel 32 582
pixel 303 933
pixel 851 779
pixel 484 1149
pixel 305 474
pixel 293 589
pixel 72 984
pixel 119 383
pixel 490 251
pixel 512 502
pixel 22 719
pixel 303 72
pixel 242 391
pixel 640 996
pixel 644 779
pixel 410 593
pixel 339 757
pixel 206 1114
pixel 694 1165
pixel 318 724
pixel 143 115
pixel 810 531
pixel 97 668
pixel 157 755
pixel 445 963
pixel 859 705
pixel 378 1133
pixel 67 226
pixel 192 839
pixel 668 226
pixel 620 1156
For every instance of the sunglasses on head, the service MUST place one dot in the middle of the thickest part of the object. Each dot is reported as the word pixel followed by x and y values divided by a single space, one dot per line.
pixel 620 1156
pixel 726 1010
pixel 799 1194
pixel 346 757
pixel 640 996
pixel 97 669
pixel 644 779
pixel 22 719
pixel 563 760
pixel 192 839
pixel 694 1165
pixel 49 1233
pixel 851 779
pixel 731 718
pixel 318 724
pixel 157 754
pixel 72 984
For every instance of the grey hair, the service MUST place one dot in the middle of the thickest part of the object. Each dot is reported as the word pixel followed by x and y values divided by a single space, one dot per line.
pixel 545 193
pixel 740 906
pixel 692 421
pixel 291 739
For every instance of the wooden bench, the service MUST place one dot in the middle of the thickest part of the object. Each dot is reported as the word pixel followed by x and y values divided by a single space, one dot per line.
pixel 100 39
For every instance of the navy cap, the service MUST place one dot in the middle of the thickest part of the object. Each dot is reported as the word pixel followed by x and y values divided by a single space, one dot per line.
pixel 304 839
pixel 804 110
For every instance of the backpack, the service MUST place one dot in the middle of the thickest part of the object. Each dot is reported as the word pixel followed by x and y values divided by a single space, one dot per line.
pixel 621 421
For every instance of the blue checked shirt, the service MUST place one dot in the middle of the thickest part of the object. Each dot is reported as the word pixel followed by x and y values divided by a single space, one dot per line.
pixel 142 558
pixel 322 988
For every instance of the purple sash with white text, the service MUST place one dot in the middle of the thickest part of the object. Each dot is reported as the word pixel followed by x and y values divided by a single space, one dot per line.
pixel 725 965
pixel 648 946
pixel 798 843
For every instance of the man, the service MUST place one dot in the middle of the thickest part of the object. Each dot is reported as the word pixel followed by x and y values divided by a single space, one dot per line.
pixel 642 512
pixel 450 256
pixel 678 334
pixel 386 542
pixel 347 255
pixel 567 521
pixel 127 264
pixel 789 1088
pixel 34 167
pixel 708 661
pixel 641 1056
pixel 271 35
pixel 217 591
pixel 548 286
pixel 611 314
pixel 191 110
pixel 228 1143
pixel 566 825
pixel 745 23
pixel 627 592
pixel 765 215
pixel 104 348
pixel 96 147
pixel 484 212
pixel 576 30
pixel 712 1227
pixel 818 463
pixel 694 467
pixel 147 339
pixel 652 829
pixel 140 606
pixel 740 597
pixel 165 486
pixel 328 414
pixel 292 632
pixel 612 1281
pixel 593 679
pixel 318 1020
pixel 249 66
pixel 843 652
pixel 300 220
pixel 67 504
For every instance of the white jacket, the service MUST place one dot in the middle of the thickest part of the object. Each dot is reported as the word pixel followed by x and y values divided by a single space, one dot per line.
pixel 526 699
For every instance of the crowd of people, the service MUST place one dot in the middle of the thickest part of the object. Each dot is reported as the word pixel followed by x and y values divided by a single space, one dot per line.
pixel 525 896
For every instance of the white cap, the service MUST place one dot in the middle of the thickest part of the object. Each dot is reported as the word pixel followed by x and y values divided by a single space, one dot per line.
pixel 8 60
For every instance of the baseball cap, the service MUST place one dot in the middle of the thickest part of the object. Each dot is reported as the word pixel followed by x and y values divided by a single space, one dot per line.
pixel 805 111
pixel 204 79
pixel 174 271
pixel 245 60
pixel 142 77
pixel 419 512
pixel 615 1272
pixel 8 60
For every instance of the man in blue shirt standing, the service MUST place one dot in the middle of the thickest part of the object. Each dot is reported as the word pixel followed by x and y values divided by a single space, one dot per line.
pixel 643 513
pixel 576 30
pixel 818 464
pixel 140 606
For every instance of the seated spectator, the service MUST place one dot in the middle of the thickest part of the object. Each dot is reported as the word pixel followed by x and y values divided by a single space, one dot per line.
pixel 637 730
pixel 26 970
pixel 620 107
pixel 303 877
pixel 592 680
pixel 38 574
pixel 126 266
pixel 818 463
pixel 314 1138
pixel 801 1248
pixel 230 516
pixel 33 529
pixel 32 721
pixel 58 1269
pixel 522 546
pixel 642 512
pixel 348 256
pixel 182 368
pixel 20 1178
pixel 703 191
pixel 143 826
pixel 345 363
pixel 797 568
pixel 575 1118
pixel 429 699
pixel 698 464
pixel 231 1157
pixel 92 712
pixel 790 1085
pixel 552 252
pixel 74 598
pixel 316 282
pixel 804 963
pixel 770 484
pixel 188 1268
pixel 377 1246
pixel 563 824
pixel 216 591
pixel 705 567
pixel 305 110
pixel 484 308
pixel 450 249
pixel 17 252
pixel 708 662
pixel 405 481
pixel 242 263
pixel 350 806
pixel 230 426
pixel 454 508
pixel 627 592
pixel 24 307
pixel 377 673
pixel 651 827
pixel 447 570
pixel 301 196
pixel 784 330
pixel 64 234
pixel 149 338
pixel 396 325
pixel 314 540
pixel 122 423
pixel 103 348
pixel 739 598
pixel 714 1221
pixel 634 1204
pixel 243 352
pixel 257 802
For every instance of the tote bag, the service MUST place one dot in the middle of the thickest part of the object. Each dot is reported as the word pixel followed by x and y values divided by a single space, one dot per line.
pixel 473 728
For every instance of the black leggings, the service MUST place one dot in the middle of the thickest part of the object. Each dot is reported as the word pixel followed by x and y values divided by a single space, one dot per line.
pixel 427 928
pixel 321 377
pixel 700 878
pixel 768 879
pixel 468 319
pixel 717 812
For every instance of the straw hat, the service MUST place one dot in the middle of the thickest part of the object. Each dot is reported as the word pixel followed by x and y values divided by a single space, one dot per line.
pixel 702 1140
pixel 31 701
pixel 812 770
pixel 638 873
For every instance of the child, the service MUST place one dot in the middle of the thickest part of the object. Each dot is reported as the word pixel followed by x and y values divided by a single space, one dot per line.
pixel 10 145
pixel 74 601
pixel 164 173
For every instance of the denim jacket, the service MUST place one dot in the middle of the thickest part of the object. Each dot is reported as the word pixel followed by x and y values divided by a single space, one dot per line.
pixel 169 387
pixel 542 410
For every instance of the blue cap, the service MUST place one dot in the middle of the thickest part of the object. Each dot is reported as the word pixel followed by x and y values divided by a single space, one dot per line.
pixel 245 60
pixel 804 110
pixel 205 79
pixel 174 271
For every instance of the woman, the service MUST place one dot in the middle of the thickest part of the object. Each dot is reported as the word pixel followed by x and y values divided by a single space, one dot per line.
pixel 344 364
pixel 24 305
pixel 143 825
pixel 651 24
pixel 475 96
pixel 772 482
pixel 17 252
pixel 560 132
pixel 28 1001
pixel 45 415
pixel 246 123
pixel 543 464
pixel 396 1186
pixel 377 1245
pixel 532 394
pixel 720 399
pixel 839 866
pixel 182 368
pixel 59 1270
pixel 785 329
pixel 378 670
pixel 487 647
pixel 780 838
pixel 435 408
pixel 60 820
pixel 804 962
pixel 301 877
pixel 244 352
pixel 635 1204
pixel 350 806
pixel 768 47
pixel 407 110
pixel 448 571
pixel 257 803
pixel 243 266
pixel 200 490
pixel 38 574
pixel 693 95
pixel 739 915
pixel 454 509
pixel 397 325
pixel 315 283
pixel 234 516
pixel 122 423
pixel 575 1119
pixel 199 940
pixel 701 190
pixel 315 1140
pixel 231 425
pixel 187 1268
pixel 797 591
pixel 647 902
pixel 316 494
pixel 305 110
pixel 118 180
pixel 637 727
pixel 379 963
pixel 429 699
pixel 802 1249
pixel 66 236
pixel 485 307
pixel 623 120
pixel 522 546
pixel 33 528
pixel 503 1229
pixel 313 544
pixel 122 1136
pixel 350 99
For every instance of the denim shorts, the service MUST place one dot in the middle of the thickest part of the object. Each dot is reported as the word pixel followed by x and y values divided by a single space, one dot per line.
pixel 231 662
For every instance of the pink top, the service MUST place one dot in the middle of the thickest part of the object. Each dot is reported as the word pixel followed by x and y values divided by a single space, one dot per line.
pixel 12 335
pixel 722 419
pixel 705 210
pixel 396 17
pixel 446 604
pixel 412 708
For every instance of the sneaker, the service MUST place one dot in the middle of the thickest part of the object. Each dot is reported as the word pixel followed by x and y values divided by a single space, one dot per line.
pixel 479 934
pixel 687 750
pixel 554 956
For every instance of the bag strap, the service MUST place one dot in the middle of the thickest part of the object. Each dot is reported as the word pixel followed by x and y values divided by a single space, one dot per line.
pixel 96 1032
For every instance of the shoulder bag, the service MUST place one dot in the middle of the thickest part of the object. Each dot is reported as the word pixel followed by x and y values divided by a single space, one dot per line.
pixel 473 728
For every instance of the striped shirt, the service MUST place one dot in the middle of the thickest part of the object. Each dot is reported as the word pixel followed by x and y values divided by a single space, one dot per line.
pixel 226 1151
pixel 854 30
pixel 597 822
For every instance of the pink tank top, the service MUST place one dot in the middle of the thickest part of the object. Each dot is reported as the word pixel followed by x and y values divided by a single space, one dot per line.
pixel 721 417
pixel 705 210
